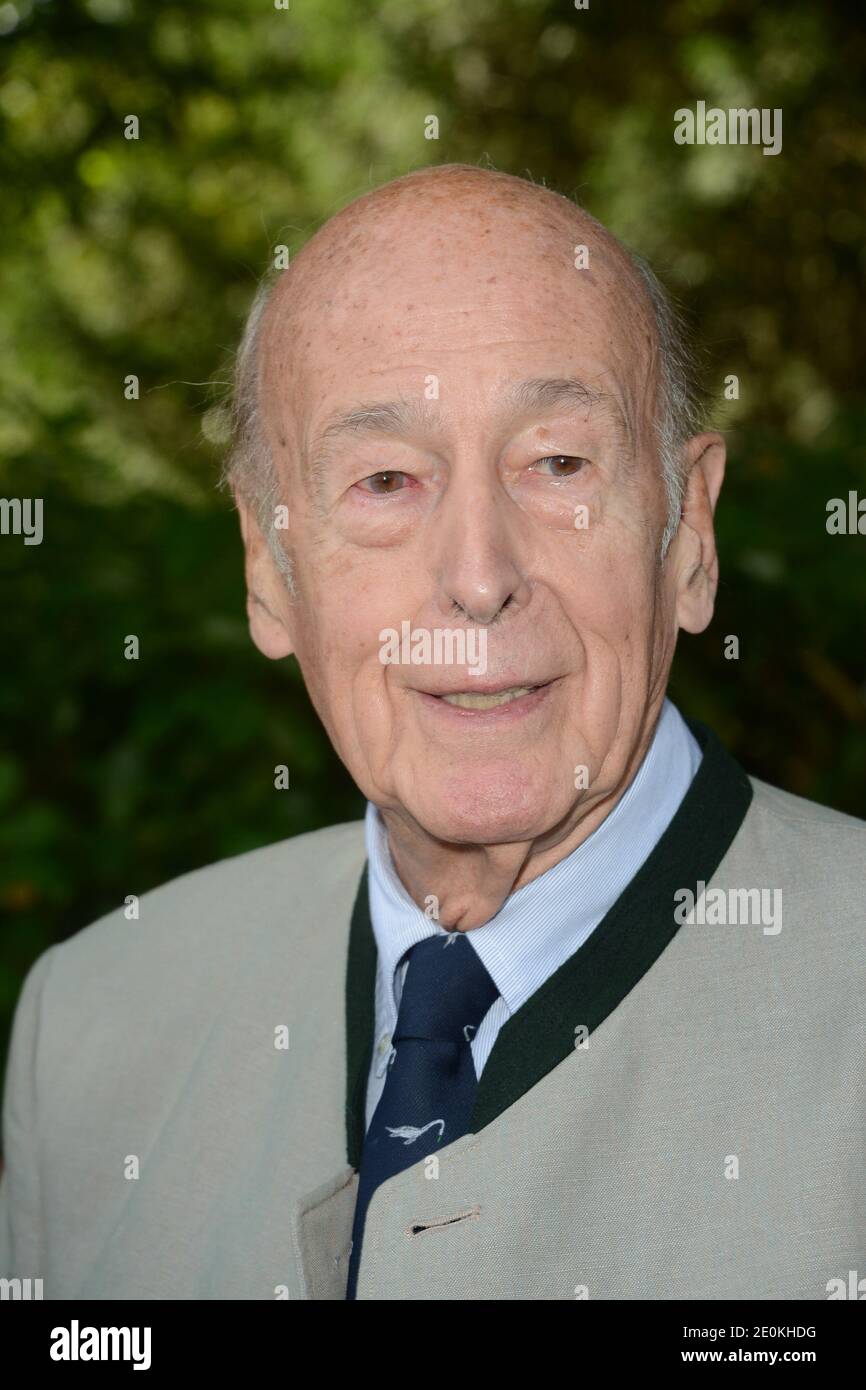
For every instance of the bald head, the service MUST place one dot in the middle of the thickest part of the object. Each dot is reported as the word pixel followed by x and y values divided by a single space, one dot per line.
pixel 415 265
pixel 464 213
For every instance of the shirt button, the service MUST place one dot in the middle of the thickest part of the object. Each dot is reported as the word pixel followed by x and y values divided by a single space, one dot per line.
pixel 385 1052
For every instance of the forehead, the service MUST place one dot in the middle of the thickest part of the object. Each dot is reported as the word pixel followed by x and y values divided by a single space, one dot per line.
pixel 476 298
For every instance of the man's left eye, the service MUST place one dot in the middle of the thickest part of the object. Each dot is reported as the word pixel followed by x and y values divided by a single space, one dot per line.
pixel 561 465
pixel 381 484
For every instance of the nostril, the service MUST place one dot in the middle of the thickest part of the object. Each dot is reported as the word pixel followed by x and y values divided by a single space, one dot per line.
pixel 417 1227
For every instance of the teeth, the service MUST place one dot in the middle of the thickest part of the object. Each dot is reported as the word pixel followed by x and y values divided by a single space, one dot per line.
pixel 466 699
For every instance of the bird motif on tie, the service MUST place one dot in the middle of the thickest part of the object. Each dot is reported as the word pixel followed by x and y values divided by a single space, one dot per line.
pixel 409 1133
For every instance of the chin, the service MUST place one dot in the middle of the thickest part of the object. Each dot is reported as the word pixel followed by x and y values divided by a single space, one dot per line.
pixel 488 810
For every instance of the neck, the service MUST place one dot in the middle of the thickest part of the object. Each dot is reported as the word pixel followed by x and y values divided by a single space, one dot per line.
pixel 472 882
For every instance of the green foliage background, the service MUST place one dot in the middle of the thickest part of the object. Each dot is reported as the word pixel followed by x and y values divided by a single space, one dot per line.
pixel 123 257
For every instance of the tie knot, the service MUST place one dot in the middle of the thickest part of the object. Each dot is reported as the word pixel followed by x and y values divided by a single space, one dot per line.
pixel 446 992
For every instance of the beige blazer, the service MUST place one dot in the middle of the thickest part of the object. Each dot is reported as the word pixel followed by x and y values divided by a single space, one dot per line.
pixel 678 1113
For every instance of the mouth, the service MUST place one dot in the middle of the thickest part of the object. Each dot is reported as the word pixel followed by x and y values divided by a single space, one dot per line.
pixel 496 703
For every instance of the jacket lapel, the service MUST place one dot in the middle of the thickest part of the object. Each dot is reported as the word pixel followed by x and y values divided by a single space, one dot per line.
pixel 360 1019
pixel 322 1235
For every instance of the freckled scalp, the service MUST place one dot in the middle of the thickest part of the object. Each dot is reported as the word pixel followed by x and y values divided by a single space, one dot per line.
pixel 457 204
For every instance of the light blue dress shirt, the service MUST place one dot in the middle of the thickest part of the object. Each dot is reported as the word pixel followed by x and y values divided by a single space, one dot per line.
pixel 543 923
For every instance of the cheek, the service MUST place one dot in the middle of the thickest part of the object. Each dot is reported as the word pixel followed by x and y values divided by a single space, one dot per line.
pixel 610 604
pixel 629 582
pixel 338 648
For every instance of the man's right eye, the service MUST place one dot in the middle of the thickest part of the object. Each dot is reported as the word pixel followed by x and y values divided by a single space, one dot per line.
pixel 381 484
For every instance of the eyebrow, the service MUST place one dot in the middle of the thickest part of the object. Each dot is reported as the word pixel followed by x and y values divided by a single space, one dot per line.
pixel 548 393
pixel 402 416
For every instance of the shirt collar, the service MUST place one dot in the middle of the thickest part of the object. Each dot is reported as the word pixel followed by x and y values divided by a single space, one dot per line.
pixel 541 924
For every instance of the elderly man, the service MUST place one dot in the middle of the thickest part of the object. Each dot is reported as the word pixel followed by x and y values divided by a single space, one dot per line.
pixel 573 1012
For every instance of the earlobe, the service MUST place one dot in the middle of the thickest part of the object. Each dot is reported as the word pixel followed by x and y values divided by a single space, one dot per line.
pixel 267 630
pixel 696 601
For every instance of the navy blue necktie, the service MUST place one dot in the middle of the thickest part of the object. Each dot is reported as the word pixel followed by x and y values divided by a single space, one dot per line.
pixel 431 1083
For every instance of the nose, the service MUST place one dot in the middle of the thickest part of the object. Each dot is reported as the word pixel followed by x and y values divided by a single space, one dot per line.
pixel 477 553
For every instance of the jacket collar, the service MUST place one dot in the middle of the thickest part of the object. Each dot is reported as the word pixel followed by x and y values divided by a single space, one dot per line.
pixel 596 978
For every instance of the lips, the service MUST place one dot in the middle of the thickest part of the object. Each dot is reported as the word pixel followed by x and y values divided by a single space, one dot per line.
pixel 485 694
pixel 499 706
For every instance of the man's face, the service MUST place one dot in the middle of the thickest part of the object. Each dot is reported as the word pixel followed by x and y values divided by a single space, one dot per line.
pixel 463 427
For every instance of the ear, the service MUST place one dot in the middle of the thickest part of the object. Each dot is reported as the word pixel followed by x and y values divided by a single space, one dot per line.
pixel 692 556
pixel 268 605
